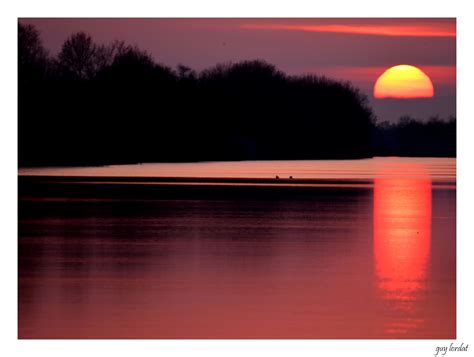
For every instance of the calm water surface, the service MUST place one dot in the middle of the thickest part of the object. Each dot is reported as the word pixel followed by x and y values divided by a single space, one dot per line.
pixel 436 168
pixel 344 261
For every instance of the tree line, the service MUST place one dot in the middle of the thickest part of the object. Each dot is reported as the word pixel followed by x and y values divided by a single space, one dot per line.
pixel 102 104
pixel 435 137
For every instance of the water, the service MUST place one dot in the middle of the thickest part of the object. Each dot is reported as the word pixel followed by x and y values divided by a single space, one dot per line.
pixel 374 258
pixel 435 168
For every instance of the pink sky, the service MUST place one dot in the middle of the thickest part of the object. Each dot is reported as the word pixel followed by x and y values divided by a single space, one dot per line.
pixel 357 49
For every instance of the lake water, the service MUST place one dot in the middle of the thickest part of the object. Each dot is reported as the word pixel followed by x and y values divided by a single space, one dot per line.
pixel 347 249
pixel 434 168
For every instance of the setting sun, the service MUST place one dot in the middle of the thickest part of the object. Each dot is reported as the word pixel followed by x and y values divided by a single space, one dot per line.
pixel 403 81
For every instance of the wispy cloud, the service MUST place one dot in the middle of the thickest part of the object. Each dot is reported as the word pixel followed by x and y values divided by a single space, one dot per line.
pixel 425 30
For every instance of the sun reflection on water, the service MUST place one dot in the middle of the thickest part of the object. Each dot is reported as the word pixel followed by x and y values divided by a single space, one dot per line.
pixel 402 237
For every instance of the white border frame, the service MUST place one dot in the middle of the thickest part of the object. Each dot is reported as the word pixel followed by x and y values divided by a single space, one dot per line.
pixel 10 346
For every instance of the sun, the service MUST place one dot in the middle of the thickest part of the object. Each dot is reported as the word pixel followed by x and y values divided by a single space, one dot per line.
pixel 403 81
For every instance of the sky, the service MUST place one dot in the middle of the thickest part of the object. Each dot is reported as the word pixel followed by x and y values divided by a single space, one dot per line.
pixel 354 49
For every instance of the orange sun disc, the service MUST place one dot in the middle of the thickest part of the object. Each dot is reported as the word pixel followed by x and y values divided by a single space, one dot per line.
pixel 403 81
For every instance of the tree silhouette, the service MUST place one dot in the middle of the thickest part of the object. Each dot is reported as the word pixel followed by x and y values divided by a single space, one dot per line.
pixel 106 54
pixel 186 73
pixel 103 104
pixel 411 137
pixel 77 57
pixel 32 57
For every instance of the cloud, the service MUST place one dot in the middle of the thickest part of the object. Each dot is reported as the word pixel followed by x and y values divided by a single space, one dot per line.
pixel 399 30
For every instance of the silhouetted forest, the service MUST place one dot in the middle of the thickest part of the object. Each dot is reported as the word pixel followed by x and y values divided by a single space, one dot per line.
pixel 102 104
pixel 410 137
